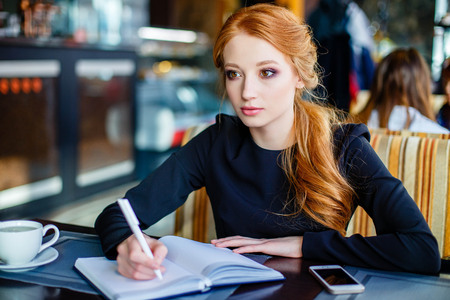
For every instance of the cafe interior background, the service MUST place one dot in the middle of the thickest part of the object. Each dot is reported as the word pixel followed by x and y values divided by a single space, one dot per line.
pixel 96 94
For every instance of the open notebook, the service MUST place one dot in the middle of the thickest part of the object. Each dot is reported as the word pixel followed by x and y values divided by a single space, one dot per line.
pixel 190 267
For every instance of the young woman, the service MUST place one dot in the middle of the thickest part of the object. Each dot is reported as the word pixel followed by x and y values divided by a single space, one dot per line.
pixel 283 176
pixel 443 116
pixel 400 95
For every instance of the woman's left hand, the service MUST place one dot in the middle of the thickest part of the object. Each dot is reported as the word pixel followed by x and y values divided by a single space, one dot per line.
pixel 290 246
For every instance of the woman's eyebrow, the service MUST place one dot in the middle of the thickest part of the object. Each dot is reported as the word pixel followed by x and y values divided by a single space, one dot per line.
pixel 231 65
pixel 266 62
pixel 261 63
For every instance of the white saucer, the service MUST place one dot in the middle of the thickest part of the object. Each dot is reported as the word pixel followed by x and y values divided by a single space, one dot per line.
pixel 45 257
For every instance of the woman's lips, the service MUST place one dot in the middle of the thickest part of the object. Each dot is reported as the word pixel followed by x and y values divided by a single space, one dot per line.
pixel 250 110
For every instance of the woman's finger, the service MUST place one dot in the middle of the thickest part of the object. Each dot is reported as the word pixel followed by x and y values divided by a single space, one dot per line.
pixel 134 263
pixel 226 239
pixel 159 251
pixel 237 242
pixel 285 246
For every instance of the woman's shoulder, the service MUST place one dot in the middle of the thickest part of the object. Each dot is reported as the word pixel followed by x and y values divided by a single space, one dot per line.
pixel 420 123
pixel 228 121
pixel 226 127
pixel 344 134
pixel 222 122
pixel 351 141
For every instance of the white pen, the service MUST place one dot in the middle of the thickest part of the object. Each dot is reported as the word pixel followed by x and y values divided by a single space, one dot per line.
pixel 133 222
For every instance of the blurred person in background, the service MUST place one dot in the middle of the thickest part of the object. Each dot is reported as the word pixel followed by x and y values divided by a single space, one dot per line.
pixel 400 95
pixel 443 116
pixel 345 47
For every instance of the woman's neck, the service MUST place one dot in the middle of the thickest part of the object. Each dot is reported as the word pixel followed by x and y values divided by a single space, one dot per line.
pixel 273 137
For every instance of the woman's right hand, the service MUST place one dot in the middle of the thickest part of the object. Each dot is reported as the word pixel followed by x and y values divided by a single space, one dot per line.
pixel 134 263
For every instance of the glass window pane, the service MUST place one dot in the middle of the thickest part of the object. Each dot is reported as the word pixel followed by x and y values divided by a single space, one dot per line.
pixel 105 147
pixel 28 131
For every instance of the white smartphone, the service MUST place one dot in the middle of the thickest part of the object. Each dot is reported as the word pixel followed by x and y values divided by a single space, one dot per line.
pixel 336 279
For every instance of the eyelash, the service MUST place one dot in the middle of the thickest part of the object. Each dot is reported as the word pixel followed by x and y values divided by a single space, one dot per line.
pixel 230 73
pixel 273 73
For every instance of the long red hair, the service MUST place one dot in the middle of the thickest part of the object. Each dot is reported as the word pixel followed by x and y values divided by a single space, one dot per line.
pixel 320 190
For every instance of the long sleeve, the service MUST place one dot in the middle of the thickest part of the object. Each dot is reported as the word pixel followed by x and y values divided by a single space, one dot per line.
pixel 151 200
pixel 158 195
pixel 403 242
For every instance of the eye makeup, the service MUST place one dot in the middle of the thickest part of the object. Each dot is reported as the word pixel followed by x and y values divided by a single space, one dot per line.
pixel 268 73
pixel 231 74
pixel 264 73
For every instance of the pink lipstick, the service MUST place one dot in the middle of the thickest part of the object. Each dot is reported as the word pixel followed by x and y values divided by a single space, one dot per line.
pixel 250 110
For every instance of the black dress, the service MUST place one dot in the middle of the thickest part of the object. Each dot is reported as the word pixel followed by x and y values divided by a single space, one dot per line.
pixel 247 188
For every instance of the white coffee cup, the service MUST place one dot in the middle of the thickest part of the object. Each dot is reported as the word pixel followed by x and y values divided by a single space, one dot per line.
pixel 21 240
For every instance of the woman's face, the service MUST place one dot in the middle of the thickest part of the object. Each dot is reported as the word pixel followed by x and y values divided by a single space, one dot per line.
pixel 261 83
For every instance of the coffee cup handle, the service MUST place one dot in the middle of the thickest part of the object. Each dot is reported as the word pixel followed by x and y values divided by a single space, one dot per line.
pixel 53 240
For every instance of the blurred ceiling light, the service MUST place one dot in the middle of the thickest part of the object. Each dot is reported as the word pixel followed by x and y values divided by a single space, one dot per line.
pixel 170 35
pixel 165 66
pixel 162 67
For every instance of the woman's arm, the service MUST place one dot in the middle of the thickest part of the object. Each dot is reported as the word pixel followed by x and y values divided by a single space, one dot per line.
pixel 290 246
pixel 158 195
pixel 404 241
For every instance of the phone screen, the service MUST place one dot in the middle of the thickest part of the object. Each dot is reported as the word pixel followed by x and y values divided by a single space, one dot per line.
pixel 335 276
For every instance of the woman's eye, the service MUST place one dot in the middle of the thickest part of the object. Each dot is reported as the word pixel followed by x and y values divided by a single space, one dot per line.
pixel 267 73
pixel 232 74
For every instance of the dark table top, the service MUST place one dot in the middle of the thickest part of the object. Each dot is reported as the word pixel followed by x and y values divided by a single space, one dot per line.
pixel 299 284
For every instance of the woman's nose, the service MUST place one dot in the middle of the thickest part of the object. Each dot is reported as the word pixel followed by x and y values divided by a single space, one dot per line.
pixel 248 89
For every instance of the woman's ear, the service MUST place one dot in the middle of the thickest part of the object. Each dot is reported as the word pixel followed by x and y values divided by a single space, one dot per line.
pixel 300 84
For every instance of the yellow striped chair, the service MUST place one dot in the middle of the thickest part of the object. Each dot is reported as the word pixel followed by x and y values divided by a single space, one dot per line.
pixel 421 161
pixel 406 132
